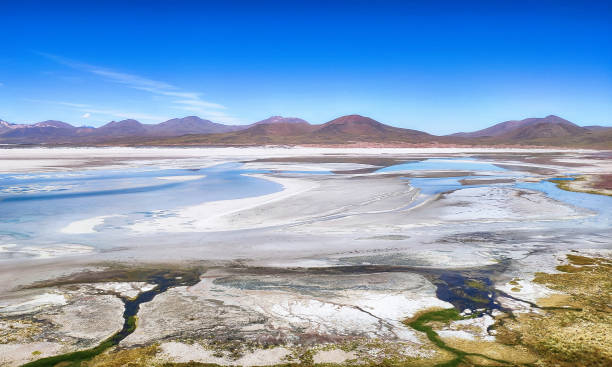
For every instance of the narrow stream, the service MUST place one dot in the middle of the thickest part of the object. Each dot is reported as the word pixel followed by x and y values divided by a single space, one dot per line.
pixel 163 282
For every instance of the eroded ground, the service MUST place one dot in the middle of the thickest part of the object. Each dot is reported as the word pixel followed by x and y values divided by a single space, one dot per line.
pixel 465 258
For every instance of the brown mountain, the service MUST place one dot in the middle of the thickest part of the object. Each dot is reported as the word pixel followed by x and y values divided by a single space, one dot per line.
pixel 547 131
pixel 53 124
pixel 192 130
pixel 5 126
pixel 129 127
pixel 543 129
pixel 509 126
pixel 58 132
pixel 280 120
pixel 40 132
pixel 599 139
pixel 357 127
pixel 277 129
pixel 190 125
pixel 597 127
pixel 345 129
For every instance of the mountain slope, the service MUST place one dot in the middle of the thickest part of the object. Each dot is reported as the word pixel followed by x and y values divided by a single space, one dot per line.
pixel 597 127
pixel 58 132
pixel 127 127
pixel 351 129
pixel 547 131
pixel 280 120
pixel 277 129
pixel 343 130
pixel 190 125
pixel 357 127
pixel 509 126
pixel 543 130
pixel 41 132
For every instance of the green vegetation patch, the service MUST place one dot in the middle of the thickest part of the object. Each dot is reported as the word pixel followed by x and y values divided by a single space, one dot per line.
pixel 73 359
pixel 594 185
pixel 427 321
pixel 574 337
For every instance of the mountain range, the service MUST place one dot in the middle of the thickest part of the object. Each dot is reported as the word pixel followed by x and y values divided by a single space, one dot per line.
pixel 351 129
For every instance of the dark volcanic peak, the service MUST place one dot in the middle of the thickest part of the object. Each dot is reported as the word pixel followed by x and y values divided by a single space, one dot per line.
pixel 280 120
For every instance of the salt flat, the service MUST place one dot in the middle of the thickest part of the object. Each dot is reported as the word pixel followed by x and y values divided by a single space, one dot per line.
pixel 296 247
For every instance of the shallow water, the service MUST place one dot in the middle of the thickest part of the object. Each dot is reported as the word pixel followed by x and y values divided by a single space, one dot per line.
pixel 436 164
pixel 35 207
pixel 599 204
pixel 435 185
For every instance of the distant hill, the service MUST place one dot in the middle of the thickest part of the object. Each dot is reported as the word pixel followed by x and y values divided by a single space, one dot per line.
pixel 192 130
pixel 360 128
pixel 277 129
pixel 597 127
pixel 598 139
pixel 512 125
pixel 191 125
pixel 58 132
pixel 543 130
pixel 345 129
pixel 41 132
pixel 128 127
pixel 547 131
pixel 280 120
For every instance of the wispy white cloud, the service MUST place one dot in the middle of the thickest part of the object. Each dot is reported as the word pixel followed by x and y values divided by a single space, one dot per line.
pixel 104 113
pixel 179 99
pixel 198 103
pixel 143 117
pixel 1 84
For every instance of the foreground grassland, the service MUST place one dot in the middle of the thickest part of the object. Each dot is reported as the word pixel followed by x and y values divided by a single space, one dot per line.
pixel 580 336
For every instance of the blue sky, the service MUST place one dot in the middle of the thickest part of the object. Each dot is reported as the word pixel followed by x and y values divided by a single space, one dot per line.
pixel 437 66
